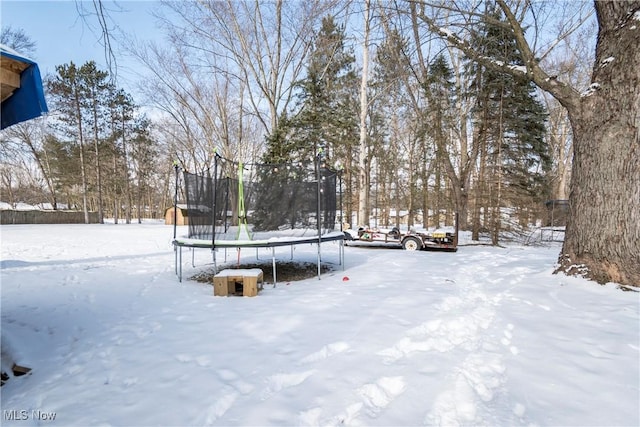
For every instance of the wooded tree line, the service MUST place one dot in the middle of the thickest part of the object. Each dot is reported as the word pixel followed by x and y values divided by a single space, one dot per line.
pixel 429 107
pixel 94 152
pixel 287 88
pixel 276 82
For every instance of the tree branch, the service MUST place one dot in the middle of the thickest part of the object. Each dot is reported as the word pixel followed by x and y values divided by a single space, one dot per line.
pixel 565 94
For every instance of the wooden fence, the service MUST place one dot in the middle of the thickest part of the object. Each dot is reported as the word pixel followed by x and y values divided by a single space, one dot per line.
pixel 45 217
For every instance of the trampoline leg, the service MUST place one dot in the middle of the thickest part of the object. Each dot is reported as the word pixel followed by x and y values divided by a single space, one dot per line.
pixel 193 257
pixel 175 258
pixel 180 275
pixel 273 264
pixel 319 260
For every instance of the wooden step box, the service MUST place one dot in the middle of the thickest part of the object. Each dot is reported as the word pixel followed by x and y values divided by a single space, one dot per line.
pixel 228 282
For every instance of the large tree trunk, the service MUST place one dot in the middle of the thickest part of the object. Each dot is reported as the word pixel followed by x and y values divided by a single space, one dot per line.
pixel 603 231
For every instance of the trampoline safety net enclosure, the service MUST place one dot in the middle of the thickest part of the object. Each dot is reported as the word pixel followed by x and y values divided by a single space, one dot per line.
pixel 257 201
pixel 260 205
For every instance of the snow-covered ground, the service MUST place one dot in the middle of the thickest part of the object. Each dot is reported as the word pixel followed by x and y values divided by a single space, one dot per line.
pixel 484 336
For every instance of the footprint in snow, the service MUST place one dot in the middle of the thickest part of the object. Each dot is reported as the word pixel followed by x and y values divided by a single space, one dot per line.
pixel 278 382
pixel 375 397
pixel 70 280
pixel 453 407
pixel 219 407
pixel 184 358
pixel 326 352
pixel 226 396
pixel 233 379
pixel 203 361
pixel 189 319
pixel 351 414
pixel 442 335
pixel 128 382
pixel 506 340
pixel 379 395
pixel 474 385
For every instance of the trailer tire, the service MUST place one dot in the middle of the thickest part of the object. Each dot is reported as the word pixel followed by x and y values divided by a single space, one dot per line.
pixel 412 244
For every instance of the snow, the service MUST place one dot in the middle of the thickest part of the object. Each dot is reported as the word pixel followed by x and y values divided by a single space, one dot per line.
pixel 636 16
pixel 484 336
pixel 245 272
pixel 13 52
pixel 593 88
pixel 520 68
pixel 608 60
pixel 447 32
pixel 20 206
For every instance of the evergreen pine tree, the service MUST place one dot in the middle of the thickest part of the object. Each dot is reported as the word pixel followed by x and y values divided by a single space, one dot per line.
pixel 67 94
pixel 389 109
pixel 440 92
pixel 326 114
pixel 515 154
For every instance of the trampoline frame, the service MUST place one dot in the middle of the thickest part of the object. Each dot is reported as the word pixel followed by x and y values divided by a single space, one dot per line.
pixel 180 243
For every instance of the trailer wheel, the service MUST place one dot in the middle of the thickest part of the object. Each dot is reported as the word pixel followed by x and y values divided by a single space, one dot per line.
pixel 411 244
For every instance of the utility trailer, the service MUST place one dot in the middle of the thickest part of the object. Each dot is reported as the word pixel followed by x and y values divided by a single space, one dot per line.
pixel 439 239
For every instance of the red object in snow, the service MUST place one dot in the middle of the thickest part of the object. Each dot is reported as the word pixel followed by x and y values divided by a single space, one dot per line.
pixel 345 279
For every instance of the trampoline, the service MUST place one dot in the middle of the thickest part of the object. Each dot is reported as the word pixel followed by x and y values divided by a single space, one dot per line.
pixel 237 205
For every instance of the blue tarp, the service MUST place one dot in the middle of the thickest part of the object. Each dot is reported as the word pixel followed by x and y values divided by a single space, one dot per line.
pixel 27 102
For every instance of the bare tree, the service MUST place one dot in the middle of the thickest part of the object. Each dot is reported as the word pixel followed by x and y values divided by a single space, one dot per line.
pixel 30 136
pixel 199 105
pixel 106 31
pixel 260 46
pixel 228 73
pixel 17 40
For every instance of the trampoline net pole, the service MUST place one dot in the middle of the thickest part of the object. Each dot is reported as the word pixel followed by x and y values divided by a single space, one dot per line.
pixel 175 202
pixel 319 195
pixel 213 205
